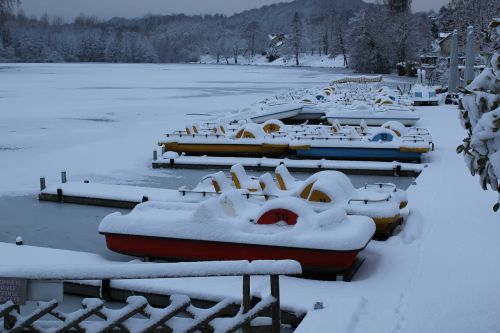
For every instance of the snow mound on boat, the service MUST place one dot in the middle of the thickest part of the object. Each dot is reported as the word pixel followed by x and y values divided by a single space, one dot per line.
pixel 395 126
pixel 231 218
pixel 170 155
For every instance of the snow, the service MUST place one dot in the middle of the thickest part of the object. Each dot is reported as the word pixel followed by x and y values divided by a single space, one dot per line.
pixel 231 218
pixel 31 262
pixel 306 60
pixel 104 120
pixel 214 161
pixel 122 192
pixel 439 273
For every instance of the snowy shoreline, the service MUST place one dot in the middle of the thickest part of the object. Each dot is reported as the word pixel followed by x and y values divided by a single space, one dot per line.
pixel 435 275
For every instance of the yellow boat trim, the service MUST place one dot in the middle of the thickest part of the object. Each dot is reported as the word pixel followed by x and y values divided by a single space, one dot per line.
pixel 382 222
pixel 274 145
pixel 319 196
pixel 300 147
pixel 281 182
pixel 216 186
pixel 414 150
pixel 236 181
pixel 199 148
pixel 305 192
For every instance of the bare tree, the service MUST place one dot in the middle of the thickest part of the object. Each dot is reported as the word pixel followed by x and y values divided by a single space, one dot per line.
pixel 252 34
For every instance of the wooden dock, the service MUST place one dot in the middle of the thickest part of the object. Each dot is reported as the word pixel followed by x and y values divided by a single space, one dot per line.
pixel 310 166
pixel 116 196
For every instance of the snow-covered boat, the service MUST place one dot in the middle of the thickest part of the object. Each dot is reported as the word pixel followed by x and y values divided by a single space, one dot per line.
pixel 424 95
pixel 278 111
pixel 373 116
pixel 249 140
pixel 232 228
pixel 382 202
pixel 380 144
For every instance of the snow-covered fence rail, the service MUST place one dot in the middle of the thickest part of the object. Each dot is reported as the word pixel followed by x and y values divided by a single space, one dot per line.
pixel 138 315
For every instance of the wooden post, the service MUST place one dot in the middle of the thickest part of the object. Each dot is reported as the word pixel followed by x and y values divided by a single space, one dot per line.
pixel 63 177
pixel 9 321
pixel 105 290
pixel 60 195
pixel 172 162
pixel 155 155
pixel 42 183
pixel 275 309
pixel 246 300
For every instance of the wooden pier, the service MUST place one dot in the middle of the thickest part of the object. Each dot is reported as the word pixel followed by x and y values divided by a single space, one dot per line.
pixel 310 166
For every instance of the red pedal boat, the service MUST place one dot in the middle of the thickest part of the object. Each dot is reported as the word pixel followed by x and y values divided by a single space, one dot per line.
pixel 232 227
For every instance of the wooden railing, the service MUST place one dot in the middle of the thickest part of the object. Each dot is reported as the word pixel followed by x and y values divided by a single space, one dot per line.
pixel 138 315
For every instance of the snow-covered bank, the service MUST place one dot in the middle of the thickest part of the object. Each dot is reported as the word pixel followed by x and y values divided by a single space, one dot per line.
pixel 305 60
pixel 438 275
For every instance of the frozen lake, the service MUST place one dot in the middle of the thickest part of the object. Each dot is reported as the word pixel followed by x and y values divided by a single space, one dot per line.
pixel 102 122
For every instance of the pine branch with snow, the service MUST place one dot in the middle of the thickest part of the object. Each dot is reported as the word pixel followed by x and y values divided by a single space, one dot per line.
pixel 480 115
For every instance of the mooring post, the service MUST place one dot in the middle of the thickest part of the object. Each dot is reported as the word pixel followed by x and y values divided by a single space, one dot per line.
pixel 155 155
pixel 60 197
pixel 42 183
pixel 105 292
pixel 275 309
pixel 246 300
pixel 63 177
pixel 172 162
pixel 9 321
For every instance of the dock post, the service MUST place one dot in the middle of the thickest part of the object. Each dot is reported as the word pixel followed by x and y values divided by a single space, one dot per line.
pixel 275 309
pixel 155 155
pixel 60 197
pixel 63 177
pixel 246 300
pixel 9 321
pixel 105 292
pixel 172 162
pixel 42 183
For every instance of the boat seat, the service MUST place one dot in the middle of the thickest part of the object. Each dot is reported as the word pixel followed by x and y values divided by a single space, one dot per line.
pixel 196 129
pixel 268 186
pixel 336 127
pixel 220 182
pixel 285 180
pixel 242 181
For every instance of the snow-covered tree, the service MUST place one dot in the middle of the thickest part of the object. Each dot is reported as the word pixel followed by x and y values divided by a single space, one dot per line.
pixel 296 37
pixel 253 35
pixel 480 115
pixel 372 48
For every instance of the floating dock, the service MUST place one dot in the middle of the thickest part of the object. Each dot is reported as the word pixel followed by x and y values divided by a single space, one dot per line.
pixel 269 164
pixel 116 196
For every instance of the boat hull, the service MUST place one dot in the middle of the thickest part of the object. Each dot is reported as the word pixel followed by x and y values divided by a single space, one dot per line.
pixel 353 153
pixel 356 121
pixel 280 115
pixel 176 249
pixel 235 150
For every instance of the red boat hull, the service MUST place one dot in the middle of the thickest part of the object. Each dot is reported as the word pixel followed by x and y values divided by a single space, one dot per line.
pixel 312 260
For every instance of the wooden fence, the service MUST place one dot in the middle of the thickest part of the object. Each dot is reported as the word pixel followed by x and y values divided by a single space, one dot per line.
pixel 138 315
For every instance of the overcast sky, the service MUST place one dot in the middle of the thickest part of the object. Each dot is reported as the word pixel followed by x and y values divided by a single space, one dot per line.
pixel 69 9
